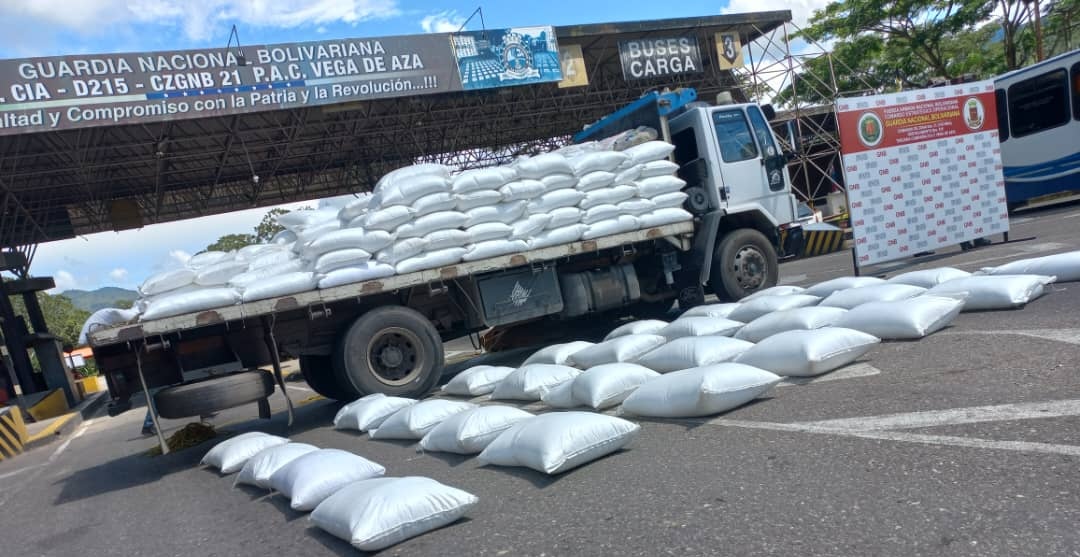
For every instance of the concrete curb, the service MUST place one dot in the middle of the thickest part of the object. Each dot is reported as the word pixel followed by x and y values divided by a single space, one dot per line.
pixel 47 431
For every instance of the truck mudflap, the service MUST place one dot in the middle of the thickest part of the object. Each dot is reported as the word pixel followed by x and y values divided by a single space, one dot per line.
pixel 793 241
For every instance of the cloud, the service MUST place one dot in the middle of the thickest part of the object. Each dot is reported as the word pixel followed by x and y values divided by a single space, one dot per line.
pixel 179 256
pixel 64 281
pixel 199 21
pixel 118 274
pixel 442 22
pixel 801 10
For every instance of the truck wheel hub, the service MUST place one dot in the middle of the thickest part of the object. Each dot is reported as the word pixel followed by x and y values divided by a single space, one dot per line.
pixel 749 268
pixel 394 356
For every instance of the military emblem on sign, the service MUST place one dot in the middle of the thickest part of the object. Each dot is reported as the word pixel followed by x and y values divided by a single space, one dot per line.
pixel 519 295
pixel 517 59
pixel 974 114
pixel 871 131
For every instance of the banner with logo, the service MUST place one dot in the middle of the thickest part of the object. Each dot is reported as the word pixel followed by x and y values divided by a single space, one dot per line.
pixel 922 169
pixel 505 57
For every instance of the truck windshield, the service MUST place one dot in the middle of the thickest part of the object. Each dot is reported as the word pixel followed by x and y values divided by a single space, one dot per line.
pixel 733 134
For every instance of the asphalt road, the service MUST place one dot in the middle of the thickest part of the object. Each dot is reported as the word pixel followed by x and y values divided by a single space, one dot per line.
pixel 964 443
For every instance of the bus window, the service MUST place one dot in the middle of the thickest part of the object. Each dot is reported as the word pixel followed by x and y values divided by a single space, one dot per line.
pixel 1002 115
pixel 1039 103
pixel 1076 90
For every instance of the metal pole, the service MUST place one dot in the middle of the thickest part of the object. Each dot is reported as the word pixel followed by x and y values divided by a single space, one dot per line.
pixel 149 402
pixel 275 359
pixel 855 261
pixel 1038 33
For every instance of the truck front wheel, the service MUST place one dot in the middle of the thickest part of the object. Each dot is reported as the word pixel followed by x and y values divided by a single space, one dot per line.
pixel 392 350
pixel 745 262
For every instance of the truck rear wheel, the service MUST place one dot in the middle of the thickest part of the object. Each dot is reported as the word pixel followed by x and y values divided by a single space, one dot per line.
pixel 210 395
pixel 318 372
pixel 392 350
pixel 745 262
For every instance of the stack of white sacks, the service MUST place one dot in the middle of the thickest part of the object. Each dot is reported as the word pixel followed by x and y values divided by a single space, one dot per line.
pixel 424 217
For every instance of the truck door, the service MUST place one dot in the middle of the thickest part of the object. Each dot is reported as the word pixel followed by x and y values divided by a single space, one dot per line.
pixel 752 166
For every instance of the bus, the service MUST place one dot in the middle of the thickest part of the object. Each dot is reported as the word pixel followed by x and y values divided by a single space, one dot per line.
pixel 1038 110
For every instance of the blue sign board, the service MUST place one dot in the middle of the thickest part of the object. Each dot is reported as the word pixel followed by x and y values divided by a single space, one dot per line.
pixel 506 57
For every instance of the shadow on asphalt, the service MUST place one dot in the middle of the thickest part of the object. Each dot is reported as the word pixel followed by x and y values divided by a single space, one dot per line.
pixel 281 503
pixel 451 459
pixel 333 544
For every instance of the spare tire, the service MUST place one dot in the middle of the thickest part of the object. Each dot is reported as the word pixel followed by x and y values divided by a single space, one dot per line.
pixel 212 394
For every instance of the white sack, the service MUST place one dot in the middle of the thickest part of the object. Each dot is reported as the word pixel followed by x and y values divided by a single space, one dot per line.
pixel 643 327
pixel 701 391
pixel 281 285
pixel 905 319
pixel 370 241
pixel 649 151
pixel 310 478
pixel 370 412
pixel 494 248
pixel 554 182
pixel 608 385
pixel 429 223
pixel 190 302
pixel 823 289
pixel 559 441
pixel 341 258
pixel 259 468
pixel 929 278
pixel 344 410
pixel 433 203
pixel 563 216
pixel 656 168
pixel 672 200
pixel 660 217
pixel 249 253
pixel 449 238
pixel 105 318
pixel 521 190
pixel 607 196
pixel 542 165
pixel 595 181
pixel 270 259
pixel 557 354
pixel 700 327
pixel 659 185
pixel 531 381
pixel 779 290
pixel 555 199
pixel 477 380
pixel 390 179
pixel 488 231
pixel 564 235
pixel 481 198
pixel 220 273
pixel 529 227
pixel 312 233
pixel 354 208
pixel 993 292
pixel 630 174
pixel 430 260
pixel 304 217
pixel 561 396
pixel 405 192
pixel 597 161
pixel 401 250
pixel 853 297
pixel 777 322
pixel 749 311
pixel 481 179
pixel 506 213
pixel 691 352
pixel 622 349
pixel 205 258
pixel 623 223
pixel 414 421
pixel 243 280
pixel 230 455
pixel 388 218
pixel 1064 266
pixel 712 310
pixel 378 513
pixel 351 275
pixel 283 237
pixel 472 431
pixel 600 213
pixel 636 207
pixel 808 353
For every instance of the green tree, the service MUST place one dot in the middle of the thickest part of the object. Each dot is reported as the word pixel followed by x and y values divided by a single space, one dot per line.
pixel 61 316
pixel 268 226
pixel 230 242
pixel 123 304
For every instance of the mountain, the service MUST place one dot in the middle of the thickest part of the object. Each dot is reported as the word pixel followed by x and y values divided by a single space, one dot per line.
pixel 101 298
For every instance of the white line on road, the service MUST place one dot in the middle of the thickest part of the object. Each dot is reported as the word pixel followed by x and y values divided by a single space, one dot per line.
pixel 299 388
pixel 955 416
pixel 849 372
pixel 1070 336
pixel 792 279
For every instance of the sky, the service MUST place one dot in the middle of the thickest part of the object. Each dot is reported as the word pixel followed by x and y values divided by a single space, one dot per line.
pixel 56 27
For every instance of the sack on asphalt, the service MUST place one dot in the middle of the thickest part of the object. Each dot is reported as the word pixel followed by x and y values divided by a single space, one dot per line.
pixel 348 406
pixel 712 310
pixel 282 285
pixel 259 468
pixel 359 273
pixel 796 319
pixel 476 381
pixel 531 381
pixel 905 319
pixel 561 396
pixel 854 297
pixel 699 327
pixel 753 309
pixel 472 431
pixel 701 391
pixel 430 260
pixel 622 349
pixel 414 421
pixel 608 385
pixel 557 237
pixel 691 352
pixel 169 305
pixel 823 289
pixel 643 327
pixel 779 290
pixel 808 353
pixel 369 413
pixel 929 278
pixel 557 354
pixel 991 292
pixel 230 455
pixel 559 441
pixel 378 513
pixel 310 478
pixel 1064 266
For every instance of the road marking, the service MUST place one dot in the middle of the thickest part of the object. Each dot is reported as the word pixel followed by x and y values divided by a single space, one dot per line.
pixel 792 279
pixel 1072 216
pixel 1070 336
pixel 955 416
pixel 17 472
pixel 299 388
pixel 848 372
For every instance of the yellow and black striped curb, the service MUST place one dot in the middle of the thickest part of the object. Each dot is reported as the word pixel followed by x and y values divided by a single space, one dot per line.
pixel 820 242
pixel 13 434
